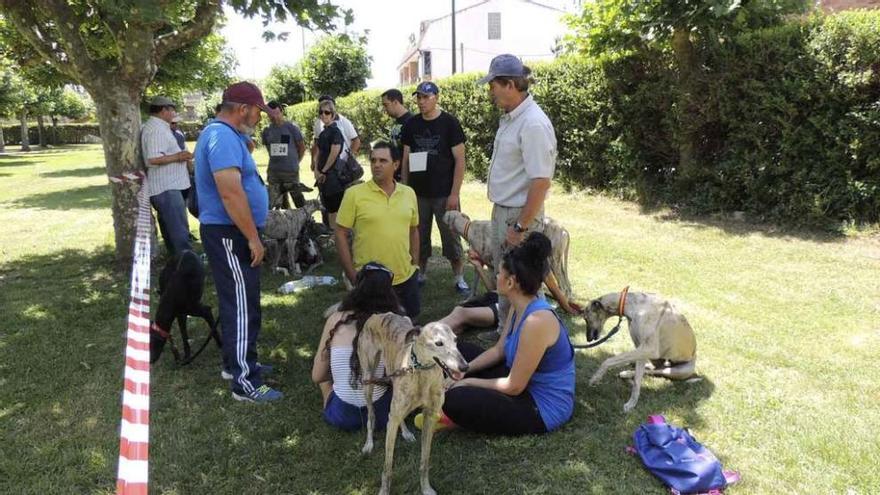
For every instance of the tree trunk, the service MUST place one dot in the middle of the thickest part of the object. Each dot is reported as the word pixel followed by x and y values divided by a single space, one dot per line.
pixel 25 140
pixel 41 130
pixel 54 130
pixel 686 60
pixel 2 140
pixel 120 123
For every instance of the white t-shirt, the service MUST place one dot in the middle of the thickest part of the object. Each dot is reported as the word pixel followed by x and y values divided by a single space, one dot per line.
pixel 345 126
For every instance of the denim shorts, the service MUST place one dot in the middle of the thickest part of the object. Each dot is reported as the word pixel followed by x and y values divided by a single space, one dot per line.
pixel 347 417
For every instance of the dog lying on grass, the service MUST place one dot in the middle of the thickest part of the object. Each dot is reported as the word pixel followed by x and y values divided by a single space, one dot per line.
pixel 282 234
pixel 308 251
pixel 417 359
pixel 660 333
pixel 181 284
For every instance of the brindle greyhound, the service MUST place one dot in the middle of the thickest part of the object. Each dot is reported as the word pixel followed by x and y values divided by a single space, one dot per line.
pixel 478 235
pixel 418 359
pixel 285 226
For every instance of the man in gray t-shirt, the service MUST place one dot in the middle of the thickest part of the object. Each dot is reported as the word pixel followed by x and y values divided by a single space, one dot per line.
pixel 286 147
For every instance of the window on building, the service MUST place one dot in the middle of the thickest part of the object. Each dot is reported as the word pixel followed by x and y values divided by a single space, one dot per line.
pixel 494 25
pixel 426 63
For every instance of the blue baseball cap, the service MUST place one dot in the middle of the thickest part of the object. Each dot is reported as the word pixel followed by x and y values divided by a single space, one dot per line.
pixel 426 88
pixel 504 65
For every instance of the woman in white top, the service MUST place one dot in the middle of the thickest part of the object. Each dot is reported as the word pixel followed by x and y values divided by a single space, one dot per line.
pixel 336 369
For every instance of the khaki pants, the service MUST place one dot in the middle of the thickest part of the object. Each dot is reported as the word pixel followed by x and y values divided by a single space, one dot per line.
pixel 502 218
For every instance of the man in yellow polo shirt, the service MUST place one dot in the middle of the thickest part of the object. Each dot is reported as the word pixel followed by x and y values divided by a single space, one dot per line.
pixel 384 217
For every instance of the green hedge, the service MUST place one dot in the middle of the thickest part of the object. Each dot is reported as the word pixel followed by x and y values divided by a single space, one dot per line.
pixel 66 134
pixel 76 133
pixel 788 123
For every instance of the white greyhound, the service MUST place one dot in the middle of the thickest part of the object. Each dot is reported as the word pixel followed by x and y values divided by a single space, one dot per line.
pixel 659 332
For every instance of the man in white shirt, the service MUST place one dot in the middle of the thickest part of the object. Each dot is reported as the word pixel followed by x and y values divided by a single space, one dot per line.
pixel 523 158
pixel 167 174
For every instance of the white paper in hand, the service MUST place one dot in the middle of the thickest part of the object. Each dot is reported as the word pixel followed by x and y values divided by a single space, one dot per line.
pixel 418 162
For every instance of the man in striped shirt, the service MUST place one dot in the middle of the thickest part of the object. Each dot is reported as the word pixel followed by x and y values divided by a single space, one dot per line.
pixel 167 174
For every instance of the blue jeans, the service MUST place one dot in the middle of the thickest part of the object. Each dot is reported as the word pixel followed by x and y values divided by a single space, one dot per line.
pixel 171 212
pixel 238 297
pixel 347 417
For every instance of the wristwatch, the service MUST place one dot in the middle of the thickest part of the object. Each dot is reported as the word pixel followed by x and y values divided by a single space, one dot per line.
pixel 519 229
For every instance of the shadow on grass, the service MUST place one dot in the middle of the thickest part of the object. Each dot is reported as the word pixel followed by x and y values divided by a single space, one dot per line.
pixel 6 162
pixel 86 197
pixel 49 151
pixel 64 324
pixel 744 227
pixel 63 328
pixel 76 172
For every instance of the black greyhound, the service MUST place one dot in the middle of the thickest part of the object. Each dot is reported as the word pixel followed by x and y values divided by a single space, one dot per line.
pixel 181 285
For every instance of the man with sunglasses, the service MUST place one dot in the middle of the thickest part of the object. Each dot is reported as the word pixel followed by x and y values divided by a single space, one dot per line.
pixel 383 216
pixel 233 206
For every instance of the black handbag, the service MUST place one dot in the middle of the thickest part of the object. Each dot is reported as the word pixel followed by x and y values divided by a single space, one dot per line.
pixel 349 169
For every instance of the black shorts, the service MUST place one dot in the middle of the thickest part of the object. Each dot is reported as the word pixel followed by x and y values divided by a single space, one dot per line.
pixel 486 300
pixel 332 202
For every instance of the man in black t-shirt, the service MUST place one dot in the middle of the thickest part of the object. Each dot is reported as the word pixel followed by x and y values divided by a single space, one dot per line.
pixel 392 103
pixel 433 165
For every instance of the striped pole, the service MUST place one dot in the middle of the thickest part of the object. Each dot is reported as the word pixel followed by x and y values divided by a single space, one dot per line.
pixel 134 433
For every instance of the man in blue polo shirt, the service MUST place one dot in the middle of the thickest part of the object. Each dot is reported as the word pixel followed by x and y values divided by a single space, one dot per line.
pixel 233 205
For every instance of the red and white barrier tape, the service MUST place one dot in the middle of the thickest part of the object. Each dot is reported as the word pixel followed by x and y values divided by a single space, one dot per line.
pixel 134 434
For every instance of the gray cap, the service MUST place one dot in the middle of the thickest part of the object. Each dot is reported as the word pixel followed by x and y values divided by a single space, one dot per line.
pixel 504 65
pixel 161 101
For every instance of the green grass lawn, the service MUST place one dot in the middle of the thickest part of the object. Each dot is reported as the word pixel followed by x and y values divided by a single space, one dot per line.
pixel 788 329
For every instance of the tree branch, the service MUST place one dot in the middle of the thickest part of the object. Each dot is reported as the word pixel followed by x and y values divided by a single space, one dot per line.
pixel 67 22
pixel 34 33
pixel 201 24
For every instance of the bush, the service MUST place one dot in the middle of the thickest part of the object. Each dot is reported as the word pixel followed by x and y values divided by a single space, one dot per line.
pixel 799 106
pixel 66 134
pixel 788 122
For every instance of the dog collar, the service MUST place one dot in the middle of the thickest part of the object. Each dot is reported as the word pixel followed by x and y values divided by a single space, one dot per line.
pixel 467 227
pixel 416 365
pixel 162 333
pixel 621 303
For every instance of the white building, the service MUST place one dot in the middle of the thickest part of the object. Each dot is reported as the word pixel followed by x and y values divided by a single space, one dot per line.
pixel 483 29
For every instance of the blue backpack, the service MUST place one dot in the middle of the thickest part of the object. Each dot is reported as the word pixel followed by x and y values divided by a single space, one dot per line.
pixel 671 454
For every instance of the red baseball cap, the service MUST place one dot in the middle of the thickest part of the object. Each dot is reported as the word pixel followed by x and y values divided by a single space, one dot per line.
pixel 247 93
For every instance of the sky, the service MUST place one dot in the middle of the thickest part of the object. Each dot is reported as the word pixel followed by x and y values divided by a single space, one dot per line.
pixel 389 22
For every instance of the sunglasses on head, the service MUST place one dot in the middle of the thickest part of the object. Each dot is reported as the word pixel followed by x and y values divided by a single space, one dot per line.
pixel 372 267
pixel 325 112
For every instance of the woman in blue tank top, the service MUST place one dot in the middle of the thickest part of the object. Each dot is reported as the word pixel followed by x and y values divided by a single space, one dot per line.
pixel 524 384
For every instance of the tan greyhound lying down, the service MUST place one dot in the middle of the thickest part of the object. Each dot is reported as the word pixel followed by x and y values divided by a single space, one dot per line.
pixel 659 332
pixel 417 359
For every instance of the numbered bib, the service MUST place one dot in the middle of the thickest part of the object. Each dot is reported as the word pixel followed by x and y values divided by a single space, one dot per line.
pixel 278 149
